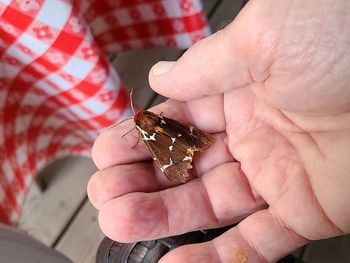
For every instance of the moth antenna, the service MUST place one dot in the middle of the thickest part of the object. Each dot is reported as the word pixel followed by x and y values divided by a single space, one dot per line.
pixel 138 139
pixel 131 102
pixel 128 132
pixel 114 125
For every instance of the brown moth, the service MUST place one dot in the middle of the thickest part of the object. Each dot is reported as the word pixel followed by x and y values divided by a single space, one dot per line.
pixel 171 143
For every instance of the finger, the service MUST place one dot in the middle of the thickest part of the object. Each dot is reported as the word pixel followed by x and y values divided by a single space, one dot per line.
pixel 214 65
pixel 258 238
pixel 119 180
pixel 110 147
pixel 222 196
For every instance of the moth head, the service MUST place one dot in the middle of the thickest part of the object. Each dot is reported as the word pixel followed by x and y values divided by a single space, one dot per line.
pixel 137 116
pixel 146 120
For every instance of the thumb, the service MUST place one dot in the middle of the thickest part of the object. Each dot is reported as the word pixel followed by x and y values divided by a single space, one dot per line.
pixel 214 65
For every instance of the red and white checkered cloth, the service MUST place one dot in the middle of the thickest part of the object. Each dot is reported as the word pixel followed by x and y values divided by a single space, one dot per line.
pixel 57 90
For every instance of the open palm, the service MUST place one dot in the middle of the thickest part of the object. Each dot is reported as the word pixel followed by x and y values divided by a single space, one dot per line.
pixel 273 88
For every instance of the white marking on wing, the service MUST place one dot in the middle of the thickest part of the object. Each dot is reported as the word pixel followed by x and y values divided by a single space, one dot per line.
pixel 171 147
pixel 145 136
pixel 187 158
pixel 152 137
pixel 166 165
pixel 173 140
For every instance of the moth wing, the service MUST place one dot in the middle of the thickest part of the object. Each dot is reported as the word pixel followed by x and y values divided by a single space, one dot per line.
pixel 188 135
pixel 169 156
pixel 174 145
pixel 178 172
pixel 159 153
pixel 185 141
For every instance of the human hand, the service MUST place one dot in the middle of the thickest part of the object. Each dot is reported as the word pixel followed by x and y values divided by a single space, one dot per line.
pixel 272 87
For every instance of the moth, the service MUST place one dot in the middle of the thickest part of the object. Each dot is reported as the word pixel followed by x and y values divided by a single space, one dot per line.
pixel 171 143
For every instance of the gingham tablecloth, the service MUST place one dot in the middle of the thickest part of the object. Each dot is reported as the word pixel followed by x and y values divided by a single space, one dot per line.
pixel 57 90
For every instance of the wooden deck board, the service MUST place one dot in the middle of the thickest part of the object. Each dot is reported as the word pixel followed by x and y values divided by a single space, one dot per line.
pixel 82 238
pixel 45 214
pixel 224 14
pixel 329 250
pixel 133 68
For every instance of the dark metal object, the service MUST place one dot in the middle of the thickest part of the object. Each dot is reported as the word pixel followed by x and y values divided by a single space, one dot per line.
pixel 111 251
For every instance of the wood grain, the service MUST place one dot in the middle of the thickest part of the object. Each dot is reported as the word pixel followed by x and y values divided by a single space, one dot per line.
pixel 45 214
pixel 82 237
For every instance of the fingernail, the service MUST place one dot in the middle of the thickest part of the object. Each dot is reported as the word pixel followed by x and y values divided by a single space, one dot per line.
pixel 162 67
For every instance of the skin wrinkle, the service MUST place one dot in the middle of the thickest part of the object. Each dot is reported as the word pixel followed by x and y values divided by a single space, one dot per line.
pixel 261 162
pixel 155 168
pixel 216 250
pixel 317 203
pixel 322 211
pixel 314 142
pixel 265 73
pixel 228 126
pixel 343 32
pixel 136 215
pixel 314 42
pixel 257 251
pixel 323 123
pixel 281 189
pixel 265 162
pixel 207 196
pixel 200 169
pixel 305 65
pixel 313 63
pixel 317 146
pixel 341 58
pixel 238 68
pixel 268 66
pixel 203 78
pixel 283 224
pixel 165 209
pixel 300 130
pixel 251 194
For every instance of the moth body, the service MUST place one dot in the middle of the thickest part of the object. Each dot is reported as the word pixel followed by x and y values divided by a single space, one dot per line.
pixel 171 143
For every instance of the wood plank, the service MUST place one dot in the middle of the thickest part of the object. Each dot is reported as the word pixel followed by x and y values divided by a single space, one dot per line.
pixel 225 13
pixel 157 100
pixel 298 253
pixel 46 213
pixel 134 66
pixel 209 6
pixel 329 250
pixel 81 240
